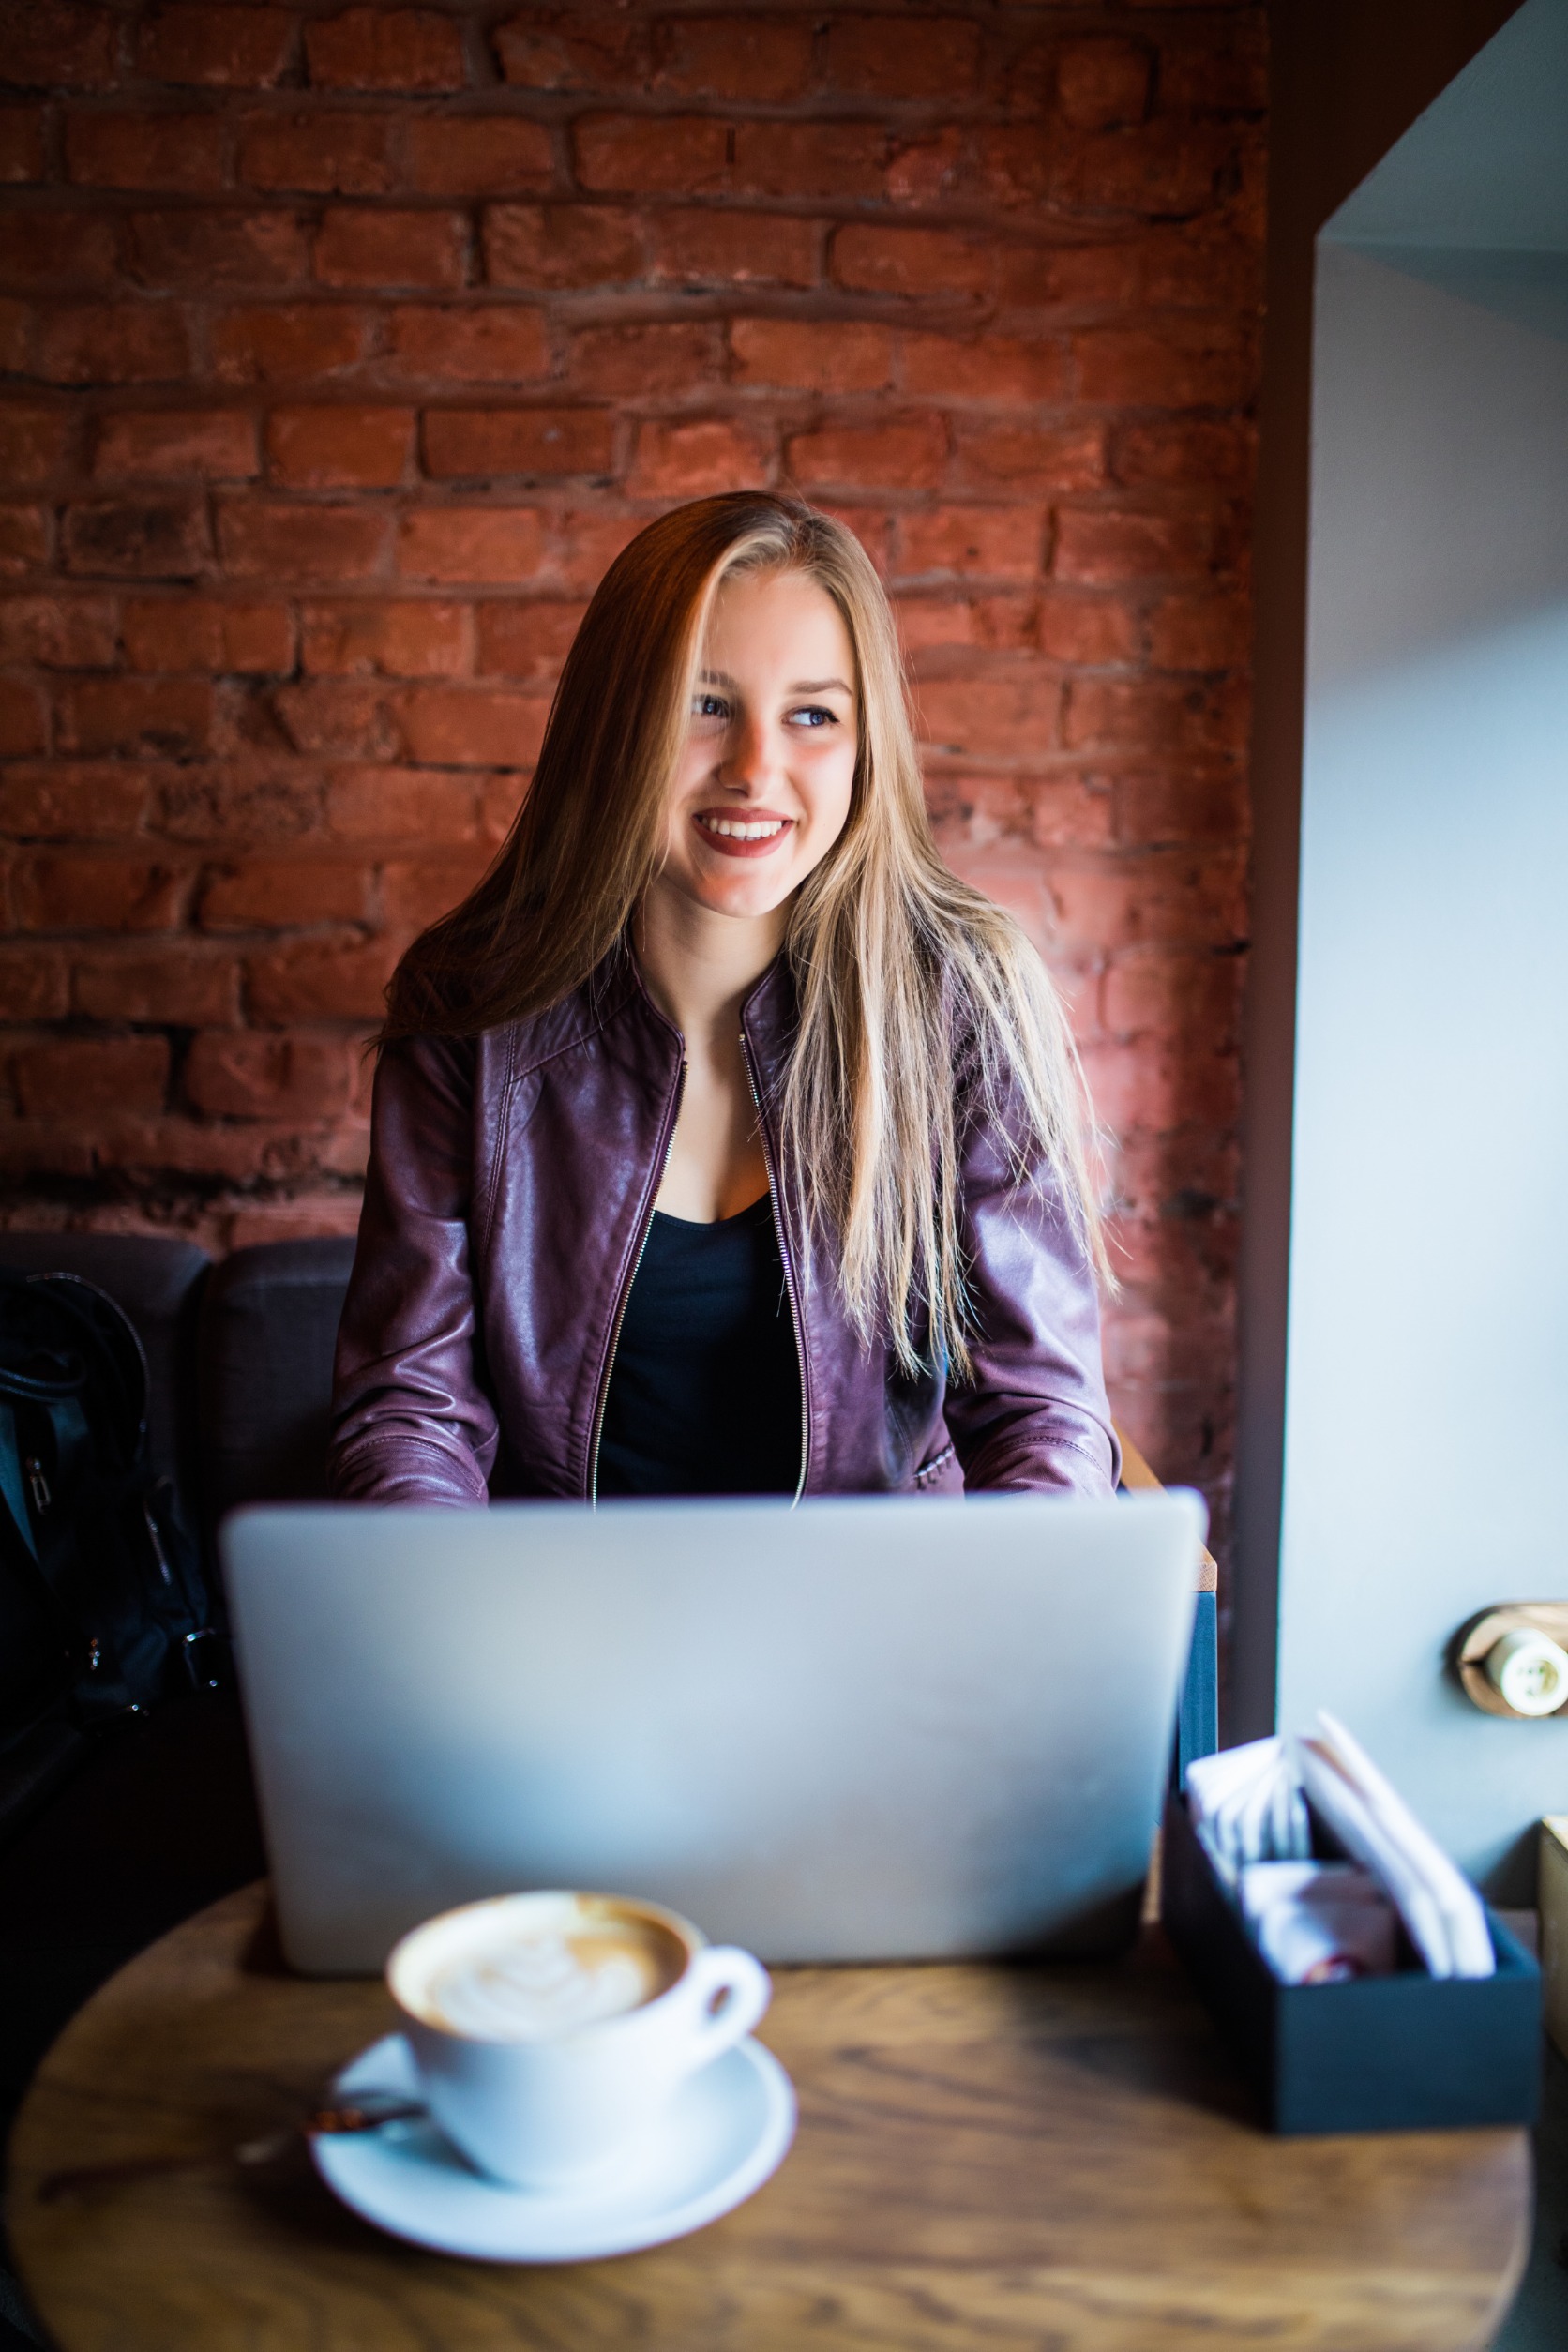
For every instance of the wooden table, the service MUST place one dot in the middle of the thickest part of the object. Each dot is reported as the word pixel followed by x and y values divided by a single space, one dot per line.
pixel 990 2159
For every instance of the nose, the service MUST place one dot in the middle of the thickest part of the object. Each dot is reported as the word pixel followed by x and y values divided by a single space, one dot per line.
pixel 750 757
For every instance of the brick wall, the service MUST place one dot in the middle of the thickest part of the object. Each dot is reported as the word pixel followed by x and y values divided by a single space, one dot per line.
pixel 345 347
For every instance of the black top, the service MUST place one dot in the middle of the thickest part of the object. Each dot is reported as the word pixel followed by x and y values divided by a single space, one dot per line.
pixel 704 1392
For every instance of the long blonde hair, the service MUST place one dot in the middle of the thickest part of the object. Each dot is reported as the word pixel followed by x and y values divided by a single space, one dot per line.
pixel 920 1001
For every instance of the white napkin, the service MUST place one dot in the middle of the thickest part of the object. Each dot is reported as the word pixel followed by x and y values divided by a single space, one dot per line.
pixel 1319 1922
pixel 1249 1805
pixel 1442 1910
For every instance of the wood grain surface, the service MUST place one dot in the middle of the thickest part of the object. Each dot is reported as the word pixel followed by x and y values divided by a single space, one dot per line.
pixel 1021 2159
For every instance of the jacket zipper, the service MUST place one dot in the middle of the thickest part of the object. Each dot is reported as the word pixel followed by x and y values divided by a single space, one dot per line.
pixel 795 1323
pixel 668 1141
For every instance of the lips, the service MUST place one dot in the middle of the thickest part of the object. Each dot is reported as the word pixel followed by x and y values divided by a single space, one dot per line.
pixel 755 834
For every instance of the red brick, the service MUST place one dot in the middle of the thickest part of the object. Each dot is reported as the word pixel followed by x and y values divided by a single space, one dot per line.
pixel 478 155
pixel 833 163
pixel 1091 630
pixel 1097 544
pixel 324 448
pixel 1145 1087
pixel 381 245
pixel 385 48
pixel 418 894
pixel 330 980
pixel 180 985
pixel 903 57
pixel 169 718
pixel 413 639
pixel 1201 633
pixel 1172 899
pixel 98 894
pixel 643 361
pixel 1179 364
pixel 77 1077
pixel 1103 85
pixel 471 727
pixel 560 245
pixel 70 801
pixel 238 1074
pixel 263 540
pixel 1221 450
pixel 458 544
pixel 1166 169
pixel 48 248
pixel 1225 71
pixel 24 721
pixel 994 368
pixel 336 718
pixel 376 804
pixel 120 343
pixel 225 47
pixel 500 798
pixel 33 443
pixel 331 155
pixel 271 799
pixel 478 444
pixel 910 453
pixel 22 149
pixel 930 621
pixel 282 893
pixel 1200 267
pixel 288 342
pixel 811 355
pixel 1153 714
pixel 1004 542
pixel 651 155
pixel 296 1220
pixel 927 171
pixel 1070 457
pixel 696 456
pixel 499 344
pixel 34 985
pixel 58 632
pixel 144 445
pixel 146 150
pixel 1180 802
pixel 204 633
pixel 740 248
pixel 873 260
pixel 998 713
pixel 18 322
pixel 761 60
pixel 571 50
pixel 159 539
pixel 587 544
pixel 208 247
pixel 59 44
pixel 24 537
pixel 526 640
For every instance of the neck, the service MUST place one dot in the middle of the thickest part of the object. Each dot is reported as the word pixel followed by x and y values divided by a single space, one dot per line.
pixel 697 965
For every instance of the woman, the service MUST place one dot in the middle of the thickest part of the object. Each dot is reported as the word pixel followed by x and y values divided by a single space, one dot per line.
pixel 723 1141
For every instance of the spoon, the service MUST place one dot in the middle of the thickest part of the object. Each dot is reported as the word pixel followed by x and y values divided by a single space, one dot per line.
pixel 319 2123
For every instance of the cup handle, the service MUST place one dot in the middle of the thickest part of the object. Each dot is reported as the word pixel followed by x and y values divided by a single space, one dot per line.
pixel 729 1992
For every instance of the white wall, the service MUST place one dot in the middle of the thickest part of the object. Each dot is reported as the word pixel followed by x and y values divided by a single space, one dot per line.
pixel 1427 1416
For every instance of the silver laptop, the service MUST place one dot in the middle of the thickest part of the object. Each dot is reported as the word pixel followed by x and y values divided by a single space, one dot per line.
pixel 878 1728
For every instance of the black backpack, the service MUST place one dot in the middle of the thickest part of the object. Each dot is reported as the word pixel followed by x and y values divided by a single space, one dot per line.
pixel 104 1611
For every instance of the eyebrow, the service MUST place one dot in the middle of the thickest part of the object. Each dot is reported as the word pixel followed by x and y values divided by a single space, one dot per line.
pixel 801 686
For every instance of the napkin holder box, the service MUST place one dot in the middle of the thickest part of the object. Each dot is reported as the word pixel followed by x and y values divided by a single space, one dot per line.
pixel 1402 2053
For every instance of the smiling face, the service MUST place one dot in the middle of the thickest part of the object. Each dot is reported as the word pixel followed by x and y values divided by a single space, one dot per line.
pixel 763 787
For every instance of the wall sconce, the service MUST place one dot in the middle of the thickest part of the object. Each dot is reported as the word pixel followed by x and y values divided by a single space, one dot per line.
pixel 1512 1660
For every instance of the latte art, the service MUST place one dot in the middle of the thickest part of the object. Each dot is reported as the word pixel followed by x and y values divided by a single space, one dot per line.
pixel 555 1981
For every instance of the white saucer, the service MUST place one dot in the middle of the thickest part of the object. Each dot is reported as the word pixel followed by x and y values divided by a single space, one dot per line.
pixel 725 2131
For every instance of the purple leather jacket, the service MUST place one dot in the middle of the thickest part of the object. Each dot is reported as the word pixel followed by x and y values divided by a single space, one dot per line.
pixel 511 1183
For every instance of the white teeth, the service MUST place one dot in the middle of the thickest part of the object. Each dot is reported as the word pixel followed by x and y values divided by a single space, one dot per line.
pixel 735 830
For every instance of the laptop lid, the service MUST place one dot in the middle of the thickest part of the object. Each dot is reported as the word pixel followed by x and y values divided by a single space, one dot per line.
pixel 870 1728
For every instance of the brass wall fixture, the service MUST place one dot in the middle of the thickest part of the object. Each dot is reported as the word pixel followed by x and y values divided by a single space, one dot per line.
pixel 1512 1659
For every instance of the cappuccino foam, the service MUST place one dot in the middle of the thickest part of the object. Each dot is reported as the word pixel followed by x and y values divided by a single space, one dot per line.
pixel 530 1987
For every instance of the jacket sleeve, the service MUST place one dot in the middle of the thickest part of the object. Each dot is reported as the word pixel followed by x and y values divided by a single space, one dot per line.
pixel 411 1418
pixel 1035 1414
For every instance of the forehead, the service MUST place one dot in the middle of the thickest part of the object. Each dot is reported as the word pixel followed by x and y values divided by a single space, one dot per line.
pixel 778 621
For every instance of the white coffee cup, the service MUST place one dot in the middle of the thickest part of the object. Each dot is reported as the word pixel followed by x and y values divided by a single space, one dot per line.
pixel 550 2030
